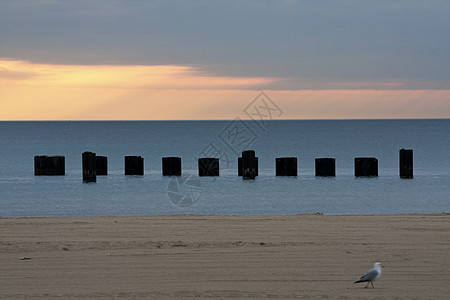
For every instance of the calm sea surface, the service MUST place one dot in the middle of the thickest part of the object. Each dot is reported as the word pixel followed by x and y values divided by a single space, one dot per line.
pixel 23 194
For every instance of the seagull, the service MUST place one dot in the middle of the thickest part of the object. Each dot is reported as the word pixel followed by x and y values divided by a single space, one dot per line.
pixel 371 275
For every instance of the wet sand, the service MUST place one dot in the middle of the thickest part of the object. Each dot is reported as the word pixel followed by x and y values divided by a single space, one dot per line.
pixel 184 256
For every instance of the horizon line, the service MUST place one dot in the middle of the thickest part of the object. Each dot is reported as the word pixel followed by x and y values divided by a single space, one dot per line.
pixel 243 119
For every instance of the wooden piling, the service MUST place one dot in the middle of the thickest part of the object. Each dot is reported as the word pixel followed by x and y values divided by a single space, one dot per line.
pixel 248 164
pixel 101 165
pixel 49 165
pixel 325 167
pixel 89 170
pixel 240 166
pixel 208 167
pixel 366 166
pixel 171 166
pixel 286 166
pixel 134 165
pixel 406 163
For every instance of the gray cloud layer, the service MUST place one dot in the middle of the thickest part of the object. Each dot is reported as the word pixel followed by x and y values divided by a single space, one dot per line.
pixel 309 41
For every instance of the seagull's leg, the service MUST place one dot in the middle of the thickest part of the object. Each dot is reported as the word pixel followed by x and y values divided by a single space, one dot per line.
pixel 372 284
pixel 367 285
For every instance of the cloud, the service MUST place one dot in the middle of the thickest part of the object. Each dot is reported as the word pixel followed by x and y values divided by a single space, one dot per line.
pixel 32 91
pixel 119 77
pixel 324 41
pixel 6 74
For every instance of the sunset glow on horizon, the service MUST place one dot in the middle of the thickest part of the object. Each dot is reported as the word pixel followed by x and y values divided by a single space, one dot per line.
pixel 120 92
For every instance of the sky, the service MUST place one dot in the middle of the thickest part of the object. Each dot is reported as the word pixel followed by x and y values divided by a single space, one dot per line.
pixel 210 59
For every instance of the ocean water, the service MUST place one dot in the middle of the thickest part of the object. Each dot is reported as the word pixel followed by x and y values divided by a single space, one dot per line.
pixel 22 194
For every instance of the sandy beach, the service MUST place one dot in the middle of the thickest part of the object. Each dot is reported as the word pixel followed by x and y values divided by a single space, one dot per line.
pixel 185 256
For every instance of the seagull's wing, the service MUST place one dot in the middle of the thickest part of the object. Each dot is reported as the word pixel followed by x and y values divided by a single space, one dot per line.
pixel 369 276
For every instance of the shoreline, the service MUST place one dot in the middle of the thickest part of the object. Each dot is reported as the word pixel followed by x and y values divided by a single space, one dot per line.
pixel 225 256
pixel 230 215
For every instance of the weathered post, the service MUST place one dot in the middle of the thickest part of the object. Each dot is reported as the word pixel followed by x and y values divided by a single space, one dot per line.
pixel 208 167
pixel 171 166
pixel 366 166
pixel 406 163
pixel 325 167
pixel 89 170
pixel 134 165
pixel 286 166
pixel 240 166
pixel 101 165
pixel 248 164
pixel 49 165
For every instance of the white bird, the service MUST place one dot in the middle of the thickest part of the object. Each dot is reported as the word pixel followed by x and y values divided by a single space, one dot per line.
pixel 371 275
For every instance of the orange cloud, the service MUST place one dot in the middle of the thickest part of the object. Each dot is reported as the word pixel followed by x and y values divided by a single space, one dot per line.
pixel 117 76
pixel 64 92
pixel 31 91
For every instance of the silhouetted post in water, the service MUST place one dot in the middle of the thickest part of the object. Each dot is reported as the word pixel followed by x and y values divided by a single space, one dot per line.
pixel 101 165
pixel 49 165
pixel 366 166
pixel 208 167
pixel 286 166
pixel 240 166
pixel 171 166
pixel 248 164
pixel 134 165
pixel 325 167
pixel 406 163
pixel 89 170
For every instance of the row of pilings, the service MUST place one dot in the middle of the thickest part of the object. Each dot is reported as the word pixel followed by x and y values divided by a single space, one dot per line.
pixel 94 165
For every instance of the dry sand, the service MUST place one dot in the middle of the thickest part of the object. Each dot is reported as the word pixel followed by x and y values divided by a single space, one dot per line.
pixel 157 257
